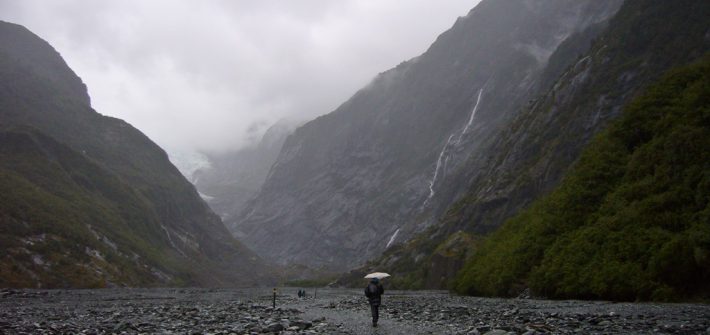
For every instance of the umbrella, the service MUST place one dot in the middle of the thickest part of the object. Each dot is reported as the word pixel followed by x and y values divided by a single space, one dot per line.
pixel 378 275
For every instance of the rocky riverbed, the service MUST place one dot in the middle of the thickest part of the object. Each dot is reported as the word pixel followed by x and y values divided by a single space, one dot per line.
pixel 331 311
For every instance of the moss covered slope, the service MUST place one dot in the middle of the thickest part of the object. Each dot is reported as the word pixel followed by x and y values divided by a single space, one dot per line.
pixel 87 200
pixel 630 221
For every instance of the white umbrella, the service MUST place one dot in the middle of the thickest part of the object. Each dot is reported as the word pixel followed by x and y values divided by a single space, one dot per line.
pixel 378 275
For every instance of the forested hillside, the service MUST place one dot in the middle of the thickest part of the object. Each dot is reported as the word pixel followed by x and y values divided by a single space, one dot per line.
pixel 630 221
pixel 603 69
pixel 89 201
pixel 385 164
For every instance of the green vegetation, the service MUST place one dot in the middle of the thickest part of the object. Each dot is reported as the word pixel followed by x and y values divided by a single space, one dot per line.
pixel 87 200
pixel 57 212
pixel 585 84
pixel 630 221
pixel 425 262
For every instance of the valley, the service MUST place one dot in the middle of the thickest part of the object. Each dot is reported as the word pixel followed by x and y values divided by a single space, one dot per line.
pixel 550 149
pixel 332 311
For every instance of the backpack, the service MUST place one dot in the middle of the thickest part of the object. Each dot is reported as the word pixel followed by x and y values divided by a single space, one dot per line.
pixel 372 289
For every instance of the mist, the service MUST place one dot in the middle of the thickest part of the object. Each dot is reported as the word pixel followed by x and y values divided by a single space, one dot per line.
pixel 214 75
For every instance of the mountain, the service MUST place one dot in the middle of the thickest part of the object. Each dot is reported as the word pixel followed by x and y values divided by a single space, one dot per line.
pixel 232 178
pixel 532 153
pixel 89 201
pixel 387 163
pixel 631 219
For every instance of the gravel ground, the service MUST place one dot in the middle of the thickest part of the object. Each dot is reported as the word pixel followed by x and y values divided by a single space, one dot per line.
pixel 332 311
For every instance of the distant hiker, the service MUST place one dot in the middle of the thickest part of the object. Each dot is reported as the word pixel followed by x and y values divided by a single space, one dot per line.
pixel 373 292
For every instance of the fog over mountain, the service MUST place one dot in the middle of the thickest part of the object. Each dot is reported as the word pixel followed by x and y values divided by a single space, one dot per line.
pixel 545 149
pixel 388 162
pixel 87 200
pixel 215 75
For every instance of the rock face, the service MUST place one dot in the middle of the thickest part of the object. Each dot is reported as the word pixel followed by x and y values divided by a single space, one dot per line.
pixel 388 162
pixel 531 154
pixel 88 200
pixel 233 178
pixel 576 242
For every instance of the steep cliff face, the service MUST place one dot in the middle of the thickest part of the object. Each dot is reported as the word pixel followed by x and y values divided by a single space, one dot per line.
pixel 370 174
pixel 535 150
pixel 630 220
pixel 232 178
pixel 85 191
pixel 530 155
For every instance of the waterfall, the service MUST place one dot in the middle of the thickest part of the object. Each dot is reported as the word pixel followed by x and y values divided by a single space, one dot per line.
pixel 470 119
pixel 436 171
pixel 392 238
pixel 170 239
pixel 446 146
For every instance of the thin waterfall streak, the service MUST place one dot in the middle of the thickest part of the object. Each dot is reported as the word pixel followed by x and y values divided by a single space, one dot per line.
pixel 455 143
pixel 170 239
pixel 470 119
pixel 446 164
pixel 436 171
pixel 392 238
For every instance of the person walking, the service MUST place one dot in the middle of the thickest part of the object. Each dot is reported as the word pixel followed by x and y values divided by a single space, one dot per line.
pixel 373 292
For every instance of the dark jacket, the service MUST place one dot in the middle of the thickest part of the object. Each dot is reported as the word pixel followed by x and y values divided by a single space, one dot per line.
pixel 373 292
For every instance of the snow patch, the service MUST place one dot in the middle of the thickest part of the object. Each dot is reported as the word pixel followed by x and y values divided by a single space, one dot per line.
pixel 102 238
pixel 37 259
pixel 205 197
pixel 189 162
pixel 32 240
pixel 188 241
pixel 94 253
pixel 161 275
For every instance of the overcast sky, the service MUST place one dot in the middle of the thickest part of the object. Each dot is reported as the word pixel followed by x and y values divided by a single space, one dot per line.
pixel 212 75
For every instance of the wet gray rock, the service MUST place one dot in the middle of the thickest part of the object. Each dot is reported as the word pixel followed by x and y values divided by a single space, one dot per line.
pixel 249 311
pixel 300 324
pixel 274 327
pixel 352 182
pixel 496 332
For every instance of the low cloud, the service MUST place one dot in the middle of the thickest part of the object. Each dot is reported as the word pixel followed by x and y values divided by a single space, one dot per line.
pixel 212 75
